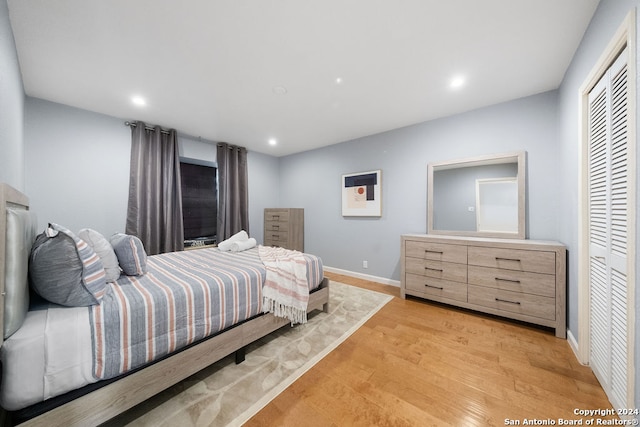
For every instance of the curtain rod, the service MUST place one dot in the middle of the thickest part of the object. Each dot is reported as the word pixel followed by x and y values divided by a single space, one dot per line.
pixel 166 132
pixel 230 146
pixel 134 124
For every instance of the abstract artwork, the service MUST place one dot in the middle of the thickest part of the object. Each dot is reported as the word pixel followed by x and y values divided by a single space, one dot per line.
pixel 361 194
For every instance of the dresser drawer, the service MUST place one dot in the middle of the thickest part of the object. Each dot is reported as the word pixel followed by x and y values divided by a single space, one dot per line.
pixel 276 238
pixel 436 251
pixel 429 286
pixel 276 226
pixel 513 259
pixel 512 280
pixel 276 215
pixel 513 302
pixel 437 269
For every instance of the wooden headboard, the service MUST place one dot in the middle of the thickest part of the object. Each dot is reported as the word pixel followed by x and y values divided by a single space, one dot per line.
pixel 9 197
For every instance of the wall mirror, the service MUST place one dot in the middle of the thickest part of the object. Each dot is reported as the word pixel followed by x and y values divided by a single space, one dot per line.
pixel 481 196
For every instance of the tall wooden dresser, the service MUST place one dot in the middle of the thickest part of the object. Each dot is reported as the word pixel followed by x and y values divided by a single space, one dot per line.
pixel 284 227
pixel 518 279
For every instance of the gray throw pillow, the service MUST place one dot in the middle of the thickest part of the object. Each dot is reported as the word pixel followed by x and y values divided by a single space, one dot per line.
pixel 131 254
pixel 65 270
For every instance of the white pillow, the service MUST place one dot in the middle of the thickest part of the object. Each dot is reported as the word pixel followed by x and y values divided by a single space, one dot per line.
pixel 103 248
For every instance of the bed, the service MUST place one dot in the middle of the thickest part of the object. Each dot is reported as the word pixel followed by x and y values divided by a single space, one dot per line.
pixel 212 299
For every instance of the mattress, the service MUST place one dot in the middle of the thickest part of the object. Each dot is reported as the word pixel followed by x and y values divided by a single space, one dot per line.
pixel 49 355
pixel 56 349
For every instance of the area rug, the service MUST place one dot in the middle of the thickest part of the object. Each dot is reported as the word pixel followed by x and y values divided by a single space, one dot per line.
pixel 226 394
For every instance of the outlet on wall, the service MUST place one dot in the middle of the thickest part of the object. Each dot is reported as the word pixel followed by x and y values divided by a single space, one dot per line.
pixel 365 264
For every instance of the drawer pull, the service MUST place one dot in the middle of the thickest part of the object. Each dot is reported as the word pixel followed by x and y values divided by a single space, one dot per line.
pixel 510 302
pixel 507 259
pixel 426 251
pixel 434 287
pixel 433 269
pixel 507 280
pixel 277 227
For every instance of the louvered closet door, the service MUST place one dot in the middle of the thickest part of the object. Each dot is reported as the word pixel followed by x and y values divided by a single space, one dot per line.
pixel 608 166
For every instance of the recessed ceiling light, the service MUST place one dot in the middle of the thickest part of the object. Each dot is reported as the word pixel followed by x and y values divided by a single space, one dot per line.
pixel 339 80
pixel 457 82
pixel 273 141
pixel 138 100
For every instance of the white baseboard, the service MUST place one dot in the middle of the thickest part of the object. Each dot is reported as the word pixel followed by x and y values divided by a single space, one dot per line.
pixel 573 343
pixel 357 275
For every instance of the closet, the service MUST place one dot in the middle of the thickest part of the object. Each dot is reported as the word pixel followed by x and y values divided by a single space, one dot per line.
pixel 608 213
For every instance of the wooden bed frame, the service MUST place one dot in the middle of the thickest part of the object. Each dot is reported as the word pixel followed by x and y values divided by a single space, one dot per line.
pixel 106 402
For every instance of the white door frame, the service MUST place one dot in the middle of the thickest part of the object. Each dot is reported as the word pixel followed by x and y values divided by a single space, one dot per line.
pixel 625 36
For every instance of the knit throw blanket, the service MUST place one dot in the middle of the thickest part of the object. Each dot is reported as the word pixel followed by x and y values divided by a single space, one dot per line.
pixel 285 292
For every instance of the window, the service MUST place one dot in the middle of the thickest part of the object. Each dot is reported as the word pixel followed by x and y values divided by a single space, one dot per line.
pixel 199 200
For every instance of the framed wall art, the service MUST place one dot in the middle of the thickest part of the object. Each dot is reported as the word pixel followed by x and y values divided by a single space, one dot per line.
pixel 361 195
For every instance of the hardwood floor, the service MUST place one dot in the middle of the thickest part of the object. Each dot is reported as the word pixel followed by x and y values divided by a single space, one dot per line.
pixel 419 363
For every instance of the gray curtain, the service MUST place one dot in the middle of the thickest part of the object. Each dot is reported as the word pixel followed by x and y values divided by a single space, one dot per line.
pixel 233 199
pixel 154 211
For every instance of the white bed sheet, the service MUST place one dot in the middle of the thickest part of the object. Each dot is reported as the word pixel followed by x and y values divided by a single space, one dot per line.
pixel 56 337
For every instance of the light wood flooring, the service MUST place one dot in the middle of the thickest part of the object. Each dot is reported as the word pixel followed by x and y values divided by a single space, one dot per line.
pixel 416 363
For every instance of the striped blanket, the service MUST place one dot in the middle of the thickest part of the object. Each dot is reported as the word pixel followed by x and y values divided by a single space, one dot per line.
pixel 286 288
pixel 184 297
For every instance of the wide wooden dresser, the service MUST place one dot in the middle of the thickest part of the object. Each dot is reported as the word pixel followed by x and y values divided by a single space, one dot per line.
pixel 284 227
pixel 518 279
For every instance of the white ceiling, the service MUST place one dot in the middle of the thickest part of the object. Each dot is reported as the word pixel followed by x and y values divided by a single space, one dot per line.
pixel 213 68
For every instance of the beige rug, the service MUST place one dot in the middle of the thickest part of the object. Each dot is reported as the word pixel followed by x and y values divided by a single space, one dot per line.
pixel 226 394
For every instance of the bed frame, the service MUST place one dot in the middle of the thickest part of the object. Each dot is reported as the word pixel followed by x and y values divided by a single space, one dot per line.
pixel 102 404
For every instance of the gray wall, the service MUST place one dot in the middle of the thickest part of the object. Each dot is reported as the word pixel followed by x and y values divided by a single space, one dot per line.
pixel 607 19
pixel 311 180
pixel 264 190
pixel 78 168
pixel 11 107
